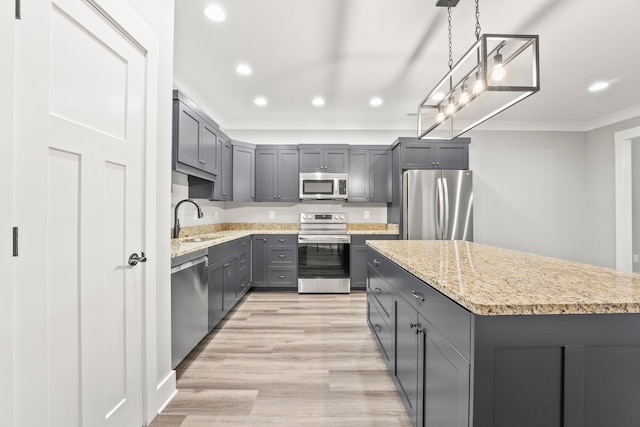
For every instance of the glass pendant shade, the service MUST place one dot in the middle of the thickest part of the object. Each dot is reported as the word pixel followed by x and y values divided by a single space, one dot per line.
pixel 498 71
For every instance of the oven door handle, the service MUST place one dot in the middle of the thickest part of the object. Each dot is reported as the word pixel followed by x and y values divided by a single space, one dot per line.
pixel 324 239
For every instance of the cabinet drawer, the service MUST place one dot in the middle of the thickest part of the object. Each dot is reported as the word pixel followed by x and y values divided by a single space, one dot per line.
pixel 380 329
pixel 242 244
pixel 243 261
pixel 282 277
pixel 381 291
pixel 283 240
pixel 282 255
pixel 449 318
pixel 381 264
pixel 243 282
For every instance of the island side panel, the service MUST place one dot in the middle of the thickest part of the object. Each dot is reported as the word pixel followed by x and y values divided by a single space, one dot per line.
pixel 556 370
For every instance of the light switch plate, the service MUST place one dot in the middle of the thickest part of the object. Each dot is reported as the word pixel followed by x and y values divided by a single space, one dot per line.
pixel 272 214
pixel 366 214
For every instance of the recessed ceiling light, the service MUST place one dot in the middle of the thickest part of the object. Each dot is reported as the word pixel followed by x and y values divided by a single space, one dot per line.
pixel 376 101
pixel 438 96
pixel 260 101
pixel 318 101
pixel 243 69
pixel 598 86
pixel 215 13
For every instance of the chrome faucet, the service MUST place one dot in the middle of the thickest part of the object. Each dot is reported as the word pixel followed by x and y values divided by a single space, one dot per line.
pixel 176 223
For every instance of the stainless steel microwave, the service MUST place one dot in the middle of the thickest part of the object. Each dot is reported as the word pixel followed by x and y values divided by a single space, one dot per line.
pixel 323 186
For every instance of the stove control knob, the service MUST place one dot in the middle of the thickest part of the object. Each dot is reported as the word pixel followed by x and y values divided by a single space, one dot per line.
pixel 341 216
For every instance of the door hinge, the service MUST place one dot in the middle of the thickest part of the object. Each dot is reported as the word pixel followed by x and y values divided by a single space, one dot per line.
pixel 18 11
pixel 15 241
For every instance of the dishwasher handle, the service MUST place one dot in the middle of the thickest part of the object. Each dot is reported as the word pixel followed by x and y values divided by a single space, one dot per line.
pixel 189 264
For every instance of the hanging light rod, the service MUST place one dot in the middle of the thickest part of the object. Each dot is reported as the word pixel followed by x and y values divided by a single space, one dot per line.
pixel 497 72
pixel 447 3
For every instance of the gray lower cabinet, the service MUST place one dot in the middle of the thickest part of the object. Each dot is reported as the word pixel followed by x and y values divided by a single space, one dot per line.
pixel 244 174
pixel 358 255
pixel 277 174
pixel 453 368
pixel 259 263
pixel 369 175
pixel 228 279
pixel 275 261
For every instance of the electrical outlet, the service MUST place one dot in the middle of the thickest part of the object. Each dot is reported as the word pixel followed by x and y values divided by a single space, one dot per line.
pixel 272 214
pixel 635 257
pixel 215 214
pixel 366 214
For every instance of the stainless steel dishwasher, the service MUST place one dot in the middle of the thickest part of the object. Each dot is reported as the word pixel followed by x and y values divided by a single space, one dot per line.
pixel 189 300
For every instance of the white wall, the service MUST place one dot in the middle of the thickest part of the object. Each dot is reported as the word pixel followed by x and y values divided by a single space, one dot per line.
pixel 635 188
pixel 600 210
pixel 529 191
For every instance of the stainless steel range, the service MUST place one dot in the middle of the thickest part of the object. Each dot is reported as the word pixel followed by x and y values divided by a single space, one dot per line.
pixel 323 253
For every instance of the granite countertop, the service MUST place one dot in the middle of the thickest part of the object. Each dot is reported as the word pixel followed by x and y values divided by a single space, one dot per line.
pixel 487 280
pixel 237 230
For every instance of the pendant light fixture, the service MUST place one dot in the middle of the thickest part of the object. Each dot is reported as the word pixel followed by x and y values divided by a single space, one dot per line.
pixel 498 71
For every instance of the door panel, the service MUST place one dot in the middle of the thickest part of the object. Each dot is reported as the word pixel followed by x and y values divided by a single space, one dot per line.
pixel 458 187
pixel 80 120
pixel 420 204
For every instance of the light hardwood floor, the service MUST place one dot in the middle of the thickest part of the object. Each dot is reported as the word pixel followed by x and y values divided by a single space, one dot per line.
pixel 283 359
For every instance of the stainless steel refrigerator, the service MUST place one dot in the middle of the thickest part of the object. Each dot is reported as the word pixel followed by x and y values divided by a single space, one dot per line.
pixel 437 205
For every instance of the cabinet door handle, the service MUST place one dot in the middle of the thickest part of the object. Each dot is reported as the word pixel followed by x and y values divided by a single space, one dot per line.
pixel 203 162
pixel 281 277
pixel 264 240
pixel 378 328
pixel 417 295
pixel 243 243
pixel 376 262
pixel 378 291
pixel 226 265
pixel 241 261
pixel 281 240
pixel 413 325
pixel 275 197
pixel 281 255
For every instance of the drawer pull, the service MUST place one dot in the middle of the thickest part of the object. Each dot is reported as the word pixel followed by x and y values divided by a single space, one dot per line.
pixel 376 262
pixel 378 328
pixel 241 261
pixel 243 243
pixel 281 277
pixel 417 295
pixel 264 240
pixel 281 240
pixel 281 255
pixel 378 291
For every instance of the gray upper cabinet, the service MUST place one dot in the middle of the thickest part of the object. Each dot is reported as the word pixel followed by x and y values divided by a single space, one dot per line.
pixel 332 159
pixel 276 174
pixel 196 144
pixel 369 175
pixel 244 173
pixel 222 187
pixel 435 155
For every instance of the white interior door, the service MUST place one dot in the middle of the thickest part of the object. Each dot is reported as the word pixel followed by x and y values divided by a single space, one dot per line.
pixel 80 129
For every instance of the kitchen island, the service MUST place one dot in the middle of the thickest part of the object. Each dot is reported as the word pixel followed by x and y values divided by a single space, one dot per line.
pixel 475 335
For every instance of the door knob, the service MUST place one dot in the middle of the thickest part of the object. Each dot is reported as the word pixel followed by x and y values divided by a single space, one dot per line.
pixel 134 259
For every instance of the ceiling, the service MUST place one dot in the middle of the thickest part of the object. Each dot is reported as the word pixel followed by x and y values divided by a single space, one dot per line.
pixel 351 50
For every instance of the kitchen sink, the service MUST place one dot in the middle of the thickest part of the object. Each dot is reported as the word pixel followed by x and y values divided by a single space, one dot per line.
pixel 195 239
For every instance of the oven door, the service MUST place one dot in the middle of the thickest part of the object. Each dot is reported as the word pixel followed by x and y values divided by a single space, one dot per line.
pixel 323 263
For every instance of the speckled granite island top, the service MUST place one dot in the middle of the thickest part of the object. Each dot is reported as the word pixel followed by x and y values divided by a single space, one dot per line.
pixel 488 280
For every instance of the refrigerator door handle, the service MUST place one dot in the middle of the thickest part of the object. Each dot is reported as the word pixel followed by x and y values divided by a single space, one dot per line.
pixel 439 210
pixel 445 217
